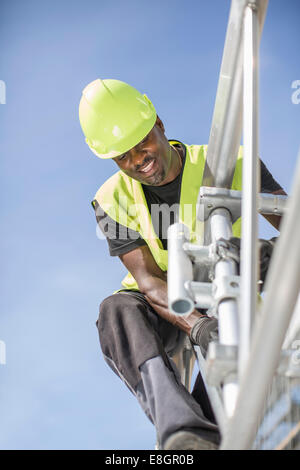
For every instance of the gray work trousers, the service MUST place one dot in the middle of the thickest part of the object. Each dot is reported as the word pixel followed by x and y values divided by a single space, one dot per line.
pixel 136 343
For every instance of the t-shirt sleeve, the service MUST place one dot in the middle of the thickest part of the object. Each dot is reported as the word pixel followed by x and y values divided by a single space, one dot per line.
pixel 268 183
pixel 120 239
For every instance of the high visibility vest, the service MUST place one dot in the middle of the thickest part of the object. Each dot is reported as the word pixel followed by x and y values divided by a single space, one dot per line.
pixel 123 199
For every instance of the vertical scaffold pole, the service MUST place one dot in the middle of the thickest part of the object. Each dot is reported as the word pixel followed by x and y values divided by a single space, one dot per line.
pixel 249 255
pixel 221 227
pixel 282 291
pixel 224 142
pixel 223 145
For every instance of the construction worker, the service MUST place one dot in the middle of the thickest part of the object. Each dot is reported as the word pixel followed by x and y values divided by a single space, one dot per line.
pixel 138 334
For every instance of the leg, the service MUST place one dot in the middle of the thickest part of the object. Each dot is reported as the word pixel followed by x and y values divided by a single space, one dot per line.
pixel 135 342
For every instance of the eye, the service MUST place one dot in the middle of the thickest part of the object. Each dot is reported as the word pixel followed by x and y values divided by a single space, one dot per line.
pixel 122 157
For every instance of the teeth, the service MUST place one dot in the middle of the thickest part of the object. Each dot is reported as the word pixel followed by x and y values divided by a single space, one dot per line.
pixel 148 166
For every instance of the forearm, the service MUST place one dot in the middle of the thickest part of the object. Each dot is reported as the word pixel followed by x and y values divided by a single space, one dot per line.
pixel 152 282
pixel 156 293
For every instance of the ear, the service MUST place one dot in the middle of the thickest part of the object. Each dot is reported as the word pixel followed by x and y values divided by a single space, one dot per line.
pixel 159 123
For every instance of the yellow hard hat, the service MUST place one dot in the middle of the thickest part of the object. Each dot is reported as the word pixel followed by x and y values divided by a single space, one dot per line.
pixel 114 117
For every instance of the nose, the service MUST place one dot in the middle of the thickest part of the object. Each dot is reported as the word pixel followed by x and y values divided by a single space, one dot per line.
pixel 137 158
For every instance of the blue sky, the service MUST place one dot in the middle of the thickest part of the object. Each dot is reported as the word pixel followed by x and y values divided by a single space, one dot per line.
pixel 56 391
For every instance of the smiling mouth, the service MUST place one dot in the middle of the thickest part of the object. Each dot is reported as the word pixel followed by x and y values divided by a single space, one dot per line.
pixel 148 167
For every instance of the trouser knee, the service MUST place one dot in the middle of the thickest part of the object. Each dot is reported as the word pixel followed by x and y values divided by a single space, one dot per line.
pixel 110 315
pixel 131 332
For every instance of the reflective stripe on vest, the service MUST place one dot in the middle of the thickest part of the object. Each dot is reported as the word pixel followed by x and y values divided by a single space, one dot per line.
pixel 123 199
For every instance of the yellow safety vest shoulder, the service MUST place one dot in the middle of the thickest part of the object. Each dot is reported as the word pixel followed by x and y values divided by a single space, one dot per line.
pixel 123 199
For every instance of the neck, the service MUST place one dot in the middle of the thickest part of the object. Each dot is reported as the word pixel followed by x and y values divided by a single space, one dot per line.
pixel 175 165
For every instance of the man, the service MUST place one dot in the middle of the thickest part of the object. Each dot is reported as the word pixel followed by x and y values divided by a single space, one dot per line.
pixel 137 331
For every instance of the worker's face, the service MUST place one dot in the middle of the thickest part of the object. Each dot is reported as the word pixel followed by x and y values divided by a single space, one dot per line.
pixel 150 160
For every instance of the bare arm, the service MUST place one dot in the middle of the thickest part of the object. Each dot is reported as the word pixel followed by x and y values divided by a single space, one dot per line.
pixel 152 282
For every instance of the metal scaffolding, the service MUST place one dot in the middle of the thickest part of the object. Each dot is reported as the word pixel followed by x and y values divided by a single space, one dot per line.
pixel 240 368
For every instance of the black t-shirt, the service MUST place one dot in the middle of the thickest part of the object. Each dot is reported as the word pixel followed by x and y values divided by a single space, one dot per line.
pixel 122 239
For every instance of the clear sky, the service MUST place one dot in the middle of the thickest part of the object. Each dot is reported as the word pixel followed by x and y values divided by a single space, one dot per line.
pixel 56 392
